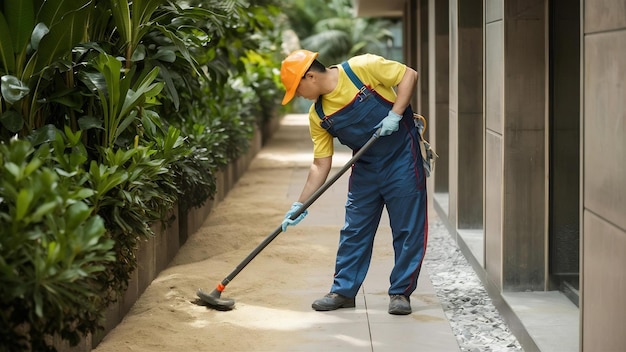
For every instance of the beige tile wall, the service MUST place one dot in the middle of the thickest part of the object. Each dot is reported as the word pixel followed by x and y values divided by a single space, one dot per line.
pixel 604 176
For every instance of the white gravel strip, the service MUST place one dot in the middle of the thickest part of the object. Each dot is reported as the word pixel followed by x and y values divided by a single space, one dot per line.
pixel 474 319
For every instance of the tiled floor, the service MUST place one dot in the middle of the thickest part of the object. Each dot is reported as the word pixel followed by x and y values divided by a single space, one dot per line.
pixel 368 327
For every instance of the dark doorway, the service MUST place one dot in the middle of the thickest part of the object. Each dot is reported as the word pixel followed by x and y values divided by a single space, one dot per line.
pixel 564 187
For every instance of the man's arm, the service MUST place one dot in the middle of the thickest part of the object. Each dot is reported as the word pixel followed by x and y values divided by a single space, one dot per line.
pixel 317 176
pixel 405 91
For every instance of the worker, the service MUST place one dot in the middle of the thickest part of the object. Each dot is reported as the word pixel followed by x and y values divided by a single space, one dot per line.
pixel 364 95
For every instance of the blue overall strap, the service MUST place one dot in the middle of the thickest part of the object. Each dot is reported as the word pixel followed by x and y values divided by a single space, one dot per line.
pixel 318 108
pixel 353 77
pixel 355 80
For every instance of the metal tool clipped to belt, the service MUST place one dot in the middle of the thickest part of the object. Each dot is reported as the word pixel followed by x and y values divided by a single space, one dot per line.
pixel 428 154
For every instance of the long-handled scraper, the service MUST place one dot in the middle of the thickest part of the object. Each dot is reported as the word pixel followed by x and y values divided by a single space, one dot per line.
pixel 214 299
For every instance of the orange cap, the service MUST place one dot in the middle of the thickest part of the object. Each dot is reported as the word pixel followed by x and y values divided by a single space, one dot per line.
pixel 292 69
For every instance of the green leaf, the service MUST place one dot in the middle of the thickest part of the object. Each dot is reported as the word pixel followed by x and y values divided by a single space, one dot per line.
pixel 20 16
pixel 42 210
pixel 52 11
pixel 94 81
pixel 73 138
pixel 94 228
pixel 182 48
pixel 166 55
pixel 33 165
pixel 14 170
pixel 65 173
pixel 12 121
pixel 121 15
pixel 139 54
pixel 67 97
pixel 12 89
pixel 43 134
pixel 39 32
pixel 135 97
pixel 63 36
pixel 142 11
pixel 78 157
pixel 53 256
pixel 107 180
pixel 154 89
pixel 110 97
pixel 89 122
pixel 125 123
pixel 38 303
pixel 83 193
pixel 20 150
pixel 7 56
pixel 24 198
pixel 170 87
pixel 76 214
pixel 150 120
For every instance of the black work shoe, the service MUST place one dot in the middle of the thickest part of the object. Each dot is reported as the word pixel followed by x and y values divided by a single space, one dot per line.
pixel 399 305
pixel 333 301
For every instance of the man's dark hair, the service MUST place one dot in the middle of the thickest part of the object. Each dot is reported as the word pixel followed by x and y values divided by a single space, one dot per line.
pixel 317 66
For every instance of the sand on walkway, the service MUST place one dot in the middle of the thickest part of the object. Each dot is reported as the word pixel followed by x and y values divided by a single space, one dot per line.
pixel 269 313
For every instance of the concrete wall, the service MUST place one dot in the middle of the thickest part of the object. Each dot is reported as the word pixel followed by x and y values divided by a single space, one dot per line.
pixel 550 133
pixel 515 100
pixel 603 176
pixel 466 114
pixel 423 62
pixel 524 136
pixel 438 80
pixel 493 145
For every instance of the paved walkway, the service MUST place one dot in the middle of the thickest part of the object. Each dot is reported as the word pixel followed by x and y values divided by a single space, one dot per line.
pixel 368 327
pixel 274 294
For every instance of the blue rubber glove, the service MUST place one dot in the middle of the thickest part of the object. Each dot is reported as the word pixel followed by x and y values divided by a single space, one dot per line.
pixel 294 208
pixel 389 124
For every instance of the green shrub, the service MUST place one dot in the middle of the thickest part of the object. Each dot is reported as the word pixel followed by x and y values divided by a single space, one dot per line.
pixel 52 248
pixel 129 197
pixel 156 105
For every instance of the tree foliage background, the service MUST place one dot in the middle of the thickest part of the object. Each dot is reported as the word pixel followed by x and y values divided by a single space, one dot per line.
pixel 331 28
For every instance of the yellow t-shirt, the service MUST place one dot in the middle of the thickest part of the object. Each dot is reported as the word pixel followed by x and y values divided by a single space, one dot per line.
pixel 376 72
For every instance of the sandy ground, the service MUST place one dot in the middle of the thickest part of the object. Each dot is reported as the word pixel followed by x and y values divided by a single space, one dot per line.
pixel 272 294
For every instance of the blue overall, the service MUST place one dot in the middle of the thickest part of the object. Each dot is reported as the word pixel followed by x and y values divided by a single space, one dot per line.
pixel 389 174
